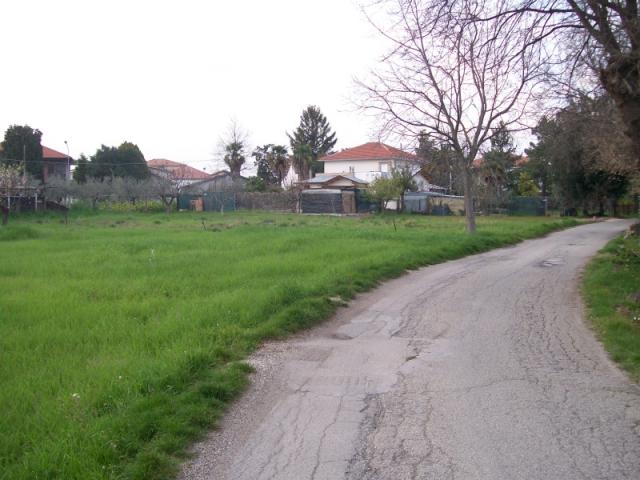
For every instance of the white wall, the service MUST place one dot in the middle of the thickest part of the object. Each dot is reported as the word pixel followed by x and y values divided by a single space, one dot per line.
pixel 422 183
pixel 290 178
pixel 367 170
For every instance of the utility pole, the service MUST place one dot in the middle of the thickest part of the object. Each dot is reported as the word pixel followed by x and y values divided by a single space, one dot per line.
pixel 24 162
pixel 68 172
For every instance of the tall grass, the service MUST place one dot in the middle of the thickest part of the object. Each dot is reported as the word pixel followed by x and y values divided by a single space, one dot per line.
pixel 122 335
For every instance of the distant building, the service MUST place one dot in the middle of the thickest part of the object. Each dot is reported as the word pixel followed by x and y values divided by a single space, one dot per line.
pixel 176 171
pixel 331 193
pixel 331 180
pixel 55 164
pixel 221 181
pixel 368 161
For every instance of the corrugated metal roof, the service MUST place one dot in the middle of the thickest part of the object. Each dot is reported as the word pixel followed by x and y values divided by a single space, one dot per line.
pixel 323 191
pixel 328 177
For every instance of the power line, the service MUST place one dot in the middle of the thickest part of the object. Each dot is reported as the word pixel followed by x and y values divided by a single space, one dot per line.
pixel 161 167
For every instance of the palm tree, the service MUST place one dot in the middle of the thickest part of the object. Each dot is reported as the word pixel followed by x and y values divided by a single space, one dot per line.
pixel 279 162
pixel 301 160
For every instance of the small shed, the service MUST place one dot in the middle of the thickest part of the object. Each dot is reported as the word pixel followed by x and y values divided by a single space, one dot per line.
pixel 321 200
pixel 330 194
pixel 333 181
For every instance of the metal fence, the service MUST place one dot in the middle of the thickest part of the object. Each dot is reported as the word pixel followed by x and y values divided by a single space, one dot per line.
pixel 211 201
pixel 273 201
pixel 364 203
pixel 419 202
pixel 526 206
pixel 432 203
pixel 230 201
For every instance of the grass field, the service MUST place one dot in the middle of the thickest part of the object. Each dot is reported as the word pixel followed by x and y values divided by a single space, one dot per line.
pixel 122 335
pixel 612 292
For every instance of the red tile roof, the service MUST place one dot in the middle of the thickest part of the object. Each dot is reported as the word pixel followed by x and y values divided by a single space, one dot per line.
pixel 51 153
pixel 369 151
pixel 180 170
pixel 519 162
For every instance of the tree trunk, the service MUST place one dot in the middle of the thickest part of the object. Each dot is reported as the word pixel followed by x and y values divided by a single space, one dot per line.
pixel 621 79
pixel 468 200
pixel 167 201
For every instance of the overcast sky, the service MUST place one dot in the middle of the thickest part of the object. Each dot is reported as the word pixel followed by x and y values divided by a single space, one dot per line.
pixel 169 75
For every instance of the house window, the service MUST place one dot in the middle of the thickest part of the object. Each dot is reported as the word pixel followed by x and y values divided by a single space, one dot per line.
pixel 352 170
pixel 384 167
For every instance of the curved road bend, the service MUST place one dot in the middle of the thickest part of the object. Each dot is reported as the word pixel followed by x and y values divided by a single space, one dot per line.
pixel 480 368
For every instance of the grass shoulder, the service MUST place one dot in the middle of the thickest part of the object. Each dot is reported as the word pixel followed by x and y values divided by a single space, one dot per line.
pixel 612 293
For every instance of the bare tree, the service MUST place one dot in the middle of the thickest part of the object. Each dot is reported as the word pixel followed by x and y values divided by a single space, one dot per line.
pixel 603 34
pixel 452 78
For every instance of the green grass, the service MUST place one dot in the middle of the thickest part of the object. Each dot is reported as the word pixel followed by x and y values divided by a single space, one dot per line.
pixel 122 335
pixel 612 293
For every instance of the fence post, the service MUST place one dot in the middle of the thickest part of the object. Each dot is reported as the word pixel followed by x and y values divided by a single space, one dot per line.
pixel 5 214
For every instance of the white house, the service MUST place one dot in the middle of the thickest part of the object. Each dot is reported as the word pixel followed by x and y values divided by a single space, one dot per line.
pixel 368 161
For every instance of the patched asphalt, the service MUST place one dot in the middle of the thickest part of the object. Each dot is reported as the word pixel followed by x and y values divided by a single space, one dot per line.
pixel 480 368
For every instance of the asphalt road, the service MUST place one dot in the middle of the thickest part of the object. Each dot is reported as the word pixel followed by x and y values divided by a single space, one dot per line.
pixel 481 368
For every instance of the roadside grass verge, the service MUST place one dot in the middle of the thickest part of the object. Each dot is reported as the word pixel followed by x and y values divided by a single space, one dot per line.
pixel 612 293
pixel 122 335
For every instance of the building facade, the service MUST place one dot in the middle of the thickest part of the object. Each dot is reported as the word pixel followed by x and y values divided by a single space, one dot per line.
pixel 368 161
